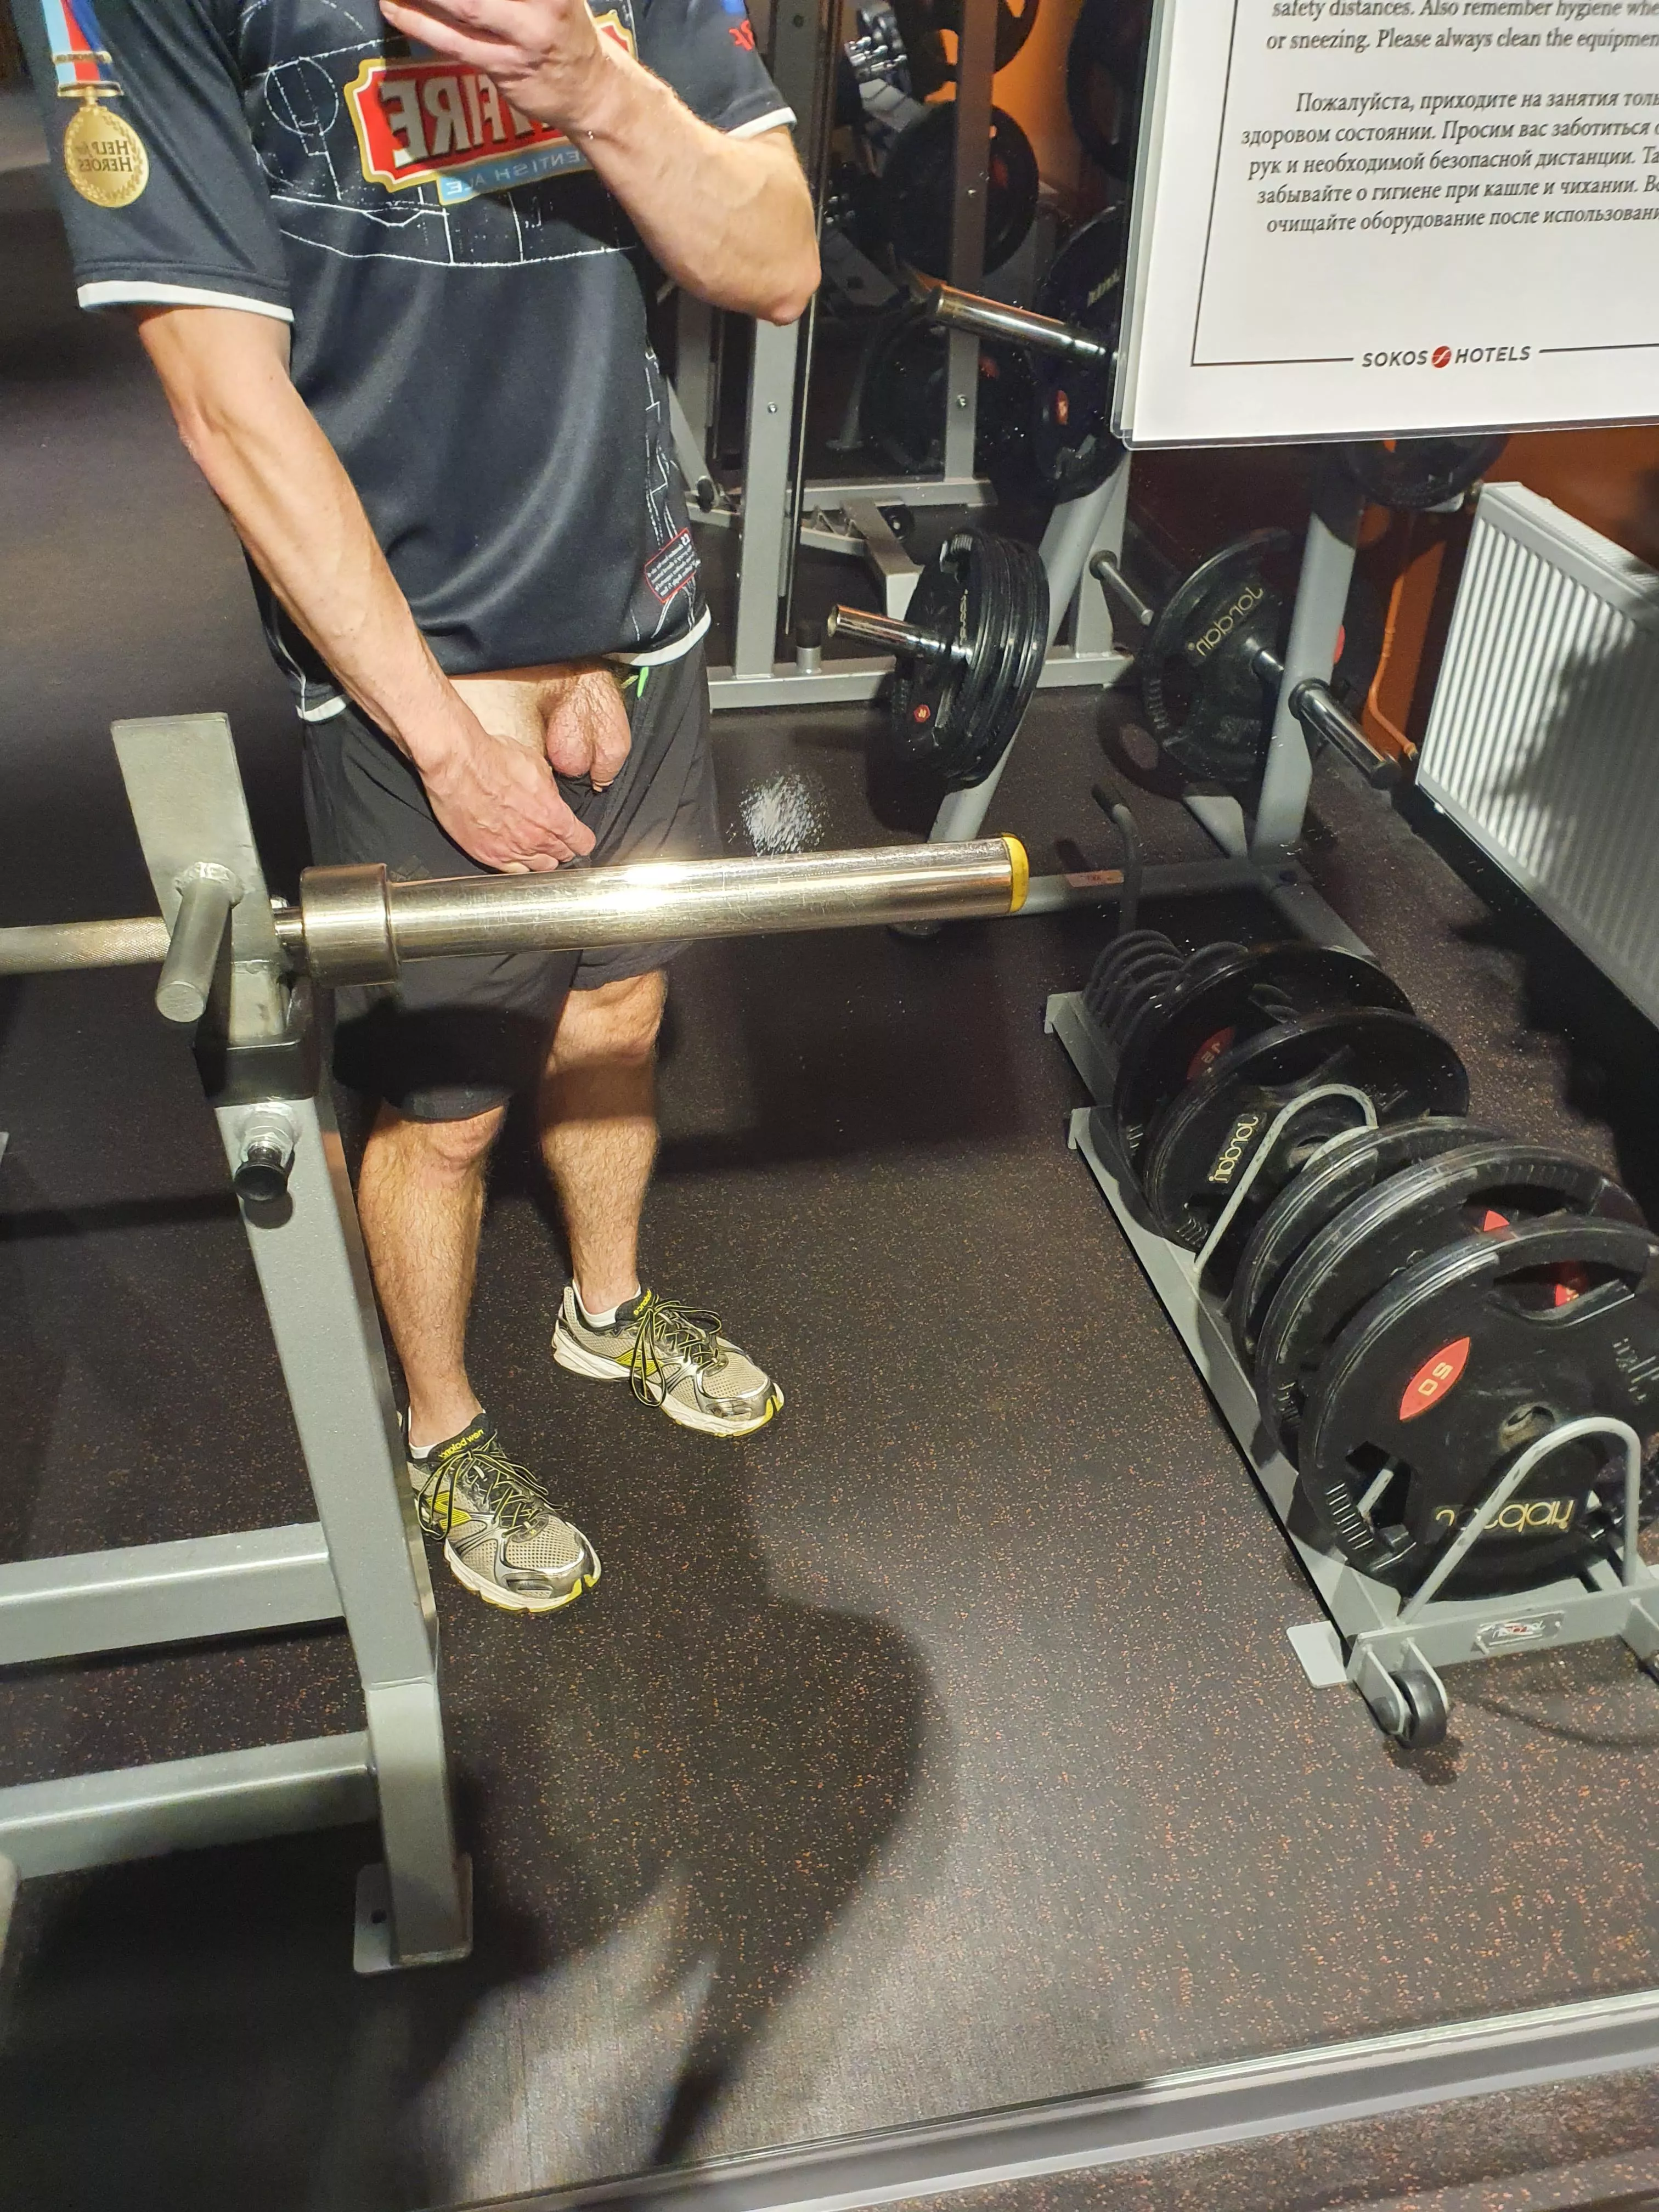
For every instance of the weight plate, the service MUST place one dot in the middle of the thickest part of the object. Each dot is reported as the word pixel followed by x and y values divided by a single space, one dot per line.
pixel 1017 624
pixel 1414 473
pixel 1127 945
pixel 902 397
pixel 1436 1386
pixel 1206 704
pixel 1105 63
pixel 918 189
pixel 1028 641
pixel 1345 1170
pixel 1205 1139
pixel 1475 1189
pixel 955 716
pixel 933 702
pixel 1174 1039
pixel 1072 450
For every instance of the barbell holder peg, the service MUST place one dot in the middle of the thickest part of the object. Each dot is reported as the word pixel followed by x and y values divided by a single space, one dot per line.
pixel 1314 706
pixel 206 896
pixel 1104 569
pixel 1315 709
pixel 901 639
pixel 994 319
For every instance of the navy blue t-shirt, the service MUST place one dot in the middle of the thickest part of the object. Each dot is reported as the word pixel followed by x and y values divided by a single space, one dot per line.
pixel 468 328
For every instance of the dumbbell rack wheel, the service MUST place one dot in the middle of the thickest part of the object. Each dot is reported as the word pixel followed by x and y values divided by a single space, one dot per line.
pixel 1390 1647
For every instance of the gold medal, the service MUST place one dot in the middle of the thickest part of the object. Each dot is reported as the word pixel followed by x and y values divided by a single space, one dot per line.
pixel 104 157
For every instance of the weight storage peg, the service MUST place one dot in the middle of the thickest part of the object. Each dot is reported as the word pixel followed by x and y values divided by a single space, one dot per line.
pixel 1073 336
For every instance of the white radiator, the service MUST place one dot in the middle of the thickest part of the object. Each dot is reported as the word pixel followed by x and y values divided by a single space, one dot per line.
pixel 1543 743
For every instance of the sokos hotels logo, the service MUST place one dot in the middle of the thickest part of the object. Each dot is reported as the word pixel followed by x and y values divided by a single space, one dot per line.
pixel 421 123
pixel 1444 356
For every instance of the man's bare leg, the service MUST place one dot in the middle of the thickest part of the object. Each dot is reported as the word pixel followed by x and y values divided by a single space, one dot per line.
pixel 421 1197
pixel 599 1129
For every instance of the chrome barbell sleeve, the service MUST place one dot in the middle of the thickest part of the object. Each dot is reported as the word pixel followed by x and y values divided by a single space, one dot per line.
pixel 358 931
pixel 902 639
pixel 994 319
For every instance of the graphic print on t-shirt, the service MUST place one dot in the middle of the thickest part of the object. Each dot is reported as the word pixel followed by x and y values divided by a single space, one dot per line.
pixel 420 122
pixel 468 324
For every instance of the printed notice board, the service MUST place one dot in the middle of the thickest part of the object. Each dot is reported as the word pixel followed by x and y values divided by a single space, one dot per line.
pixel 1358 217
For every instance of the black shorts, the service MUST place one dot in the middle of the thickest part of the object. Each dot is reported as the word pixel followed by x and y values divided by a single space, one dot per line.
pixel 452 1038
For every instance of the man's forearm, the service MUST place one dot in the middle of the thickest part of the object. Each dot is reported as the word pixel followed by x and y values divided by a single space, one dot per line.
pixel 298 514
pixel 225 373
pixel 730 219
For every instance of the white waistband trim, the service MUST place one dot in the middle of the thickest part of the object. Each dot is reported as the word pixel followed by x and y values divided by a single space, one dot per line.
pixel 678 651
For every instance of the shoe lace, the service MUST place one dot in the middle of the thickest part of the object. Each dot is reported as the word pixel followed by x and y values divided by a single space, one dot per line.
pixel 508 1492
pixel 669 1333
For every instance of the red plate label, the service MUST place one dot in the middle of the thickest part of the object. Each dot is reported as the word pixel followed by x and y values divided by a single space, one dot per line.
pixel 1434 1378
pixel 1495 1220
pixel 1211 1048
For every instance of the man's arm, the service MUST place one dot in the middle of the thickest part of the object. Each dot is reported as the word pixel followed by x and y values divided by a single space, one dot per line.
pixel 225 373
pixel 729 218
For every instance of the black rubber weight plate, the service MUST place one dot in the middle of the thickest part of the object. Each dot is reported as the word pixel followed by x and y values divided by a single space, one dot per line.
pixel 1211 1008
pixel 1073 449
pixel 934 700
pixel 918 185
pixel 1348 1167
pixel 1202 1142
pixel 1476 1189
pixel 1436 1386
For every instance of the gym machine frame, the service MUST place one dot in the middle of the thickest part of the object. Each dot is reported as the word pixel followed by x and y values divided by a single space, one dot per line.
pixel 776 498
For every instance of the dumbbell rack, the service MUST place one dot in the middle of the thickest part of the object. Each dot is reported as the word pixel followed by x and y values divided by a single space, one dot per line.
pixel 1388 1646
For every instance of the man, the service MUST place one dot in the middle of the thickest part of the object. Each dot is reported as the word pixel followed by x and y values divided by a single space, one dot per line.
pixel 381 258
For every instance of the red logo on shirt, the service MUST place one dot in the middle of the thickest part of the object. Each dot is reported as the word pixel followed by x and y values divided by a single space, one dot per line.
pixel 416 121
pixel 742 35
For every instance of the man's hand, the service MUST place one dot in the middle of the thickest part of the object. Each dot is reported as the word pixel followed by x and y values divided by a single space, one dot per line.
pixel 499 802
pixel 727 214
pixel 545 55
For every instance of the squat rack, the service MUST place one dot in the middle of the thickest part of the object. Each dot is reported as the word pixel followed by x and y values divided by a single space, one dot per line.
pixel 238 971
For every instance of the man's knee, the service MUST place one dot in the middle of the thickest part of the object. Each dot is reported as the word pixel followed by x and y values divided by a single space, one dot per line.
pixel 616 1023
pixel 446 1146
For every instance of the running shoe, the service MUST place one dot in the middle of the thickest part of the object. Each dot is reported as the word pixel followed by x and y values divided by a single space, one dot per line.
pixel 503 1540
pixel 675 1356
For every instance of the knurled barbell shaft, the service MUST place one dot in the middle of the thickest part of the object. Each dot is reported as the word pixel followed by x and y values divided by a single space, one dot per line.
pixel 898 638
pixel 993 319
pixel 353 924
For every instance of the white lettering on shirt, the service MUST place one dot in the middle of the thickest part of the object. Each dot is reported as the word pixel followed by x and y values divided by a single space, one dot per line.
pixel 441 98
pixel 402 104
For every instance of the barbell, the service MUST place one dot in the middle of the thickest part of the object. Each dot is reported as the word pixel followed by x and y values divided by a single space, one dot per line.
pixel 355 925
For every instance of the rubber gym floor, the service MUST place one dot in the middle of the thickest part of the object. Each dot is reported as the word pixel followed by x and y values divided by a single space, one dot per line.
pixel 940 1747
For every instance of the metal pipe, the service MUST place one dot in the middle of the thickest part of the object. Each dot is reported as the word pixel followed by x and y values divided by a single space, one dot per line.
pixel 1315 709
pixel 46 948
pixel 1316 706
pixel 206 896
pixel 898 638
pixel 993 319
pixel 1105 570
